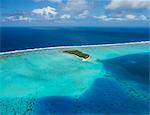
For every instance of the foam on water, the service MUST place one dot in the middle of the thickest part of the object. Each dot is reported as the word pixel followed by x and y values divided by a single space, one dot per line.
pixel 61 47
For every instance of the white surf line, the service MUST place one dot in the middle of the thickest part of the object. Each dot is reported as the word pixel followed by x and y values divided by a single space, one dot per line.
pixel 65 47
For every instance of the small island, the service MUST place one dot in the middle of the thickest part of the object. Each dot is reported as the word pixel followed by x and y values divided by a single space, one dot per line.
pixel 78 53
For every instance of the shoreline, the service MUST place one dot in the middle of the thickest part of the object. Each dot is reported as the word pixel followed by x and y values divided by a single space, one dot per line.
pixel 87 59
pixel 66 47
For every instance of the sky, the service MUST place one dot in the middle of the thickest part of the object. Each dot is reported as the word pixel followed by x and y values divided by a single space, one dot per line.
pixel 75 13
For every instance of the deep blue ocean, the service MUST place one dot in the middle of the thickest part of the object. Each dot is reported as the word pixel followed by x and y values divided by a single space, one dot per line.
pixel 18 38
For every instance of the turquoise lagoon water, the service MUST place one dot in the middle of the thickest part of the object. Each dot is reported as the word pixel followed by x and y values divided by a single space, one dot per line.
pixel 114 81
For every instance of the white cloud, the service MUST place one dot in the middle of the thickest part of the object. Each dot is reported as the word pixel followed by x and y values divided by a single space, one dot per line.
pixel 103 18
pixel 65 16
pixel 128 17
pixel 12 18
pixel 76 6
pixel 45 11
pixel 23 18
pixel 83 15
pixel 128 4
pixel 57 1
pixel 54 1
pixel 131 17
pixel 142 17
pixel 134 17
pixel 18 18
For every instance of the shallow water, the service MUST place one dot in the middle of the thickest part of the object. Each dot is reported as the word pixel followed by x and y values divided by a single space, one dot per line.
pixel 49 81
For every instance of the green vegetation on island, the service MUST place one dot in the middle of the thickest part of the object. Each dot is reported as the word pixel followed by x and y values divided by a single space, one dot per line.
pixel 77 53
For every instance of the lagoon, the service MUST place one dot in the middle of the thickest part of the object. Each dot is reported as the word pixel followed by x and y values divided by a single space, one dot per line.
pixel 49 81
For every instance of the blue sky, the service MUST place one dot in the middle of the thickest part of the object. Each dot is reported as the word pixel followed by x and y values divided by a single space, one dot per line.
pixel 75 12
